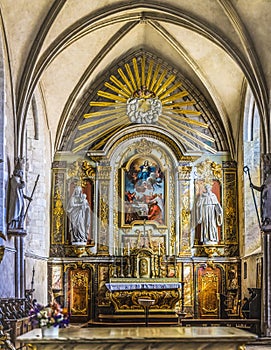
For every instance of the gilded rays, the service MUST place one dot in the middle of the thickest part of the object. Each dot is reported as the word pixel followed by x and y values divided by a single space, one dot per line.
pixel 144 93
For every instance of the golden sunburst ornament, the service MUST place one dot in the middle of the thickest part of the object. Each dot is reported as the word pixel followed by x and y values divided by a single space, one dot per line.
pixel 144 94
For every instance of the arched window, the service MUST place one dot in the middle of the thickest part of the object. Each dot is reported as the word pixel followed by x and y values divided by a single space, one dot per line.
pixel 252 155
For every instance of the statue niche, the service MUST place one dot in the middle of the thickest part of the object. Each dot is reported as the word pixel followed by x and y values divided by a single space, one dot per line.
pixel 209 213
pixel 79 213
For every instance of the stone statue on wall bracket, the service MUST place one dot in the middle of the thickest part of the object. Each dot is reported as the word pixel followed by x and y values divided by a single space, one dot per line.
pixel 78 211
pixel 16 211
pixel 265 190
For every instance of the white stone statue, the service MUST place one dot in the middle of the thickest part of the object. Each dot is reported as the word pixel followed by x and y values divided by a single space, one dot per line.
pixel 78 212
pixel 16 212
pixel 209 216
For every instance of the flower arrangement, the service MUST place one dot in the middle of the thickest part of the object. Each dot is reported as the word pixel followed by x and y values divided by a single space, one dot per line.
pixel 48 316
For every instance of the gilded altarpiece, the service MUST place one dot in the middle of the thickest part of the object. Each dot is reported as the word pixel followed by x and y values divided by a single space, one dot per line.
pixel 116 237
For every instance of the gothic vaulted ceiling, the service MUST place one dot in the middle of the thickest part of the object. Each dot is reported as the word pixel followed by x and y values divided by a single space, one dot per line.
pixel 93 57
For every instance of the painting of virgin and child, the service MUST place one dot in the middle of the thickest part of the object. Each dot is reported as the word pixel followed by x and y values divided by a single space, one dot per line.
pixel 144 187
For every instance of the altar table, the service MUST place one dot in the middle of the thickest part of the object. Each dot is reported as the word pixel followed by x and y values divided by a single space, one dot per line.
pixel 141 338
pixel 125 293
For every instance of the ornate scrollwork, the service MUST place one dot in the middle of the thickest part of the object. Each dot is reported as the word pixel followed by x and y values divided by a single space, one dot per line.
pixel 58 212
pixel 81 170
pixel 184 172
pixel 165 300
pixel 104 172
pixel 144 146
pixel 209 169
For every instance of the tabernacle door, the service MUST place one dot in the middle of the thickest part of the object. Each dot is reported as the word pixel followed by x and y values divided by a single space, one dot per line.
pixel 209 281
pixel 79 292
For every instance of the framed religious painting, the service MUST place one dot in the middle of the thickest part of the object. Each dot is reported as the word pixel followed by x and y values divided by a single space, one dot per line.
pixel 143 192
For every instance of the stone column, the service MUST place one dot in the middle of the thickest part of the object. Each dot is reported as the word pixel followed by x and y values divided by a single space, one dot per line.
pixel 266 290
pixel 266 229
pixel 17 267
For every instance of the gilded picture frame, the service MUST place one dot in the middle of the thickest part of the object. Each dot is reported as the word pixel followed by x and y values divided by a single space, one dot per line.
pixel 143 192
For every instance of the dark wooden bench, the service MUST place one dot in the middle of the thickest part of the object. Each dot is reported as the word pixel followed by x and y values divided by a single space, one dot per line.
pixel 251 324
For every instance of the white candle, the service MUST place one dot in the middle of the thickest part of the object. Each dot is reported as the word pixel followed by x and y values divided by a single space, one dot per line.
pixel 128 248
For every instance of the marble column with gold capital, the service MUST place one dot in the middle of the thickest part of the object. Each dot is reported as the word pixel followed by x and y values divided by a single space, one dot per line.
pixel 184 185
pixel 103 183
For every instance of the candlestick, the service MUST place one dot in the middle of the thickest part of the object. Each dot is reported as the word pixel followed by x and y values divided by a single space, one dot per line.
pixel 144 233
pixel 182 286
pixel 159 249
pixel 32 282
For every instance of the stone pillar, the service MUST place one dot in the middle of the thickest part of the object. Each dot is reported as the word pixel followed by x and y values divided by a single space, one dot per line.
pixel 22 268
pixel 266 292
pixel 266 229
pixel 17 267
